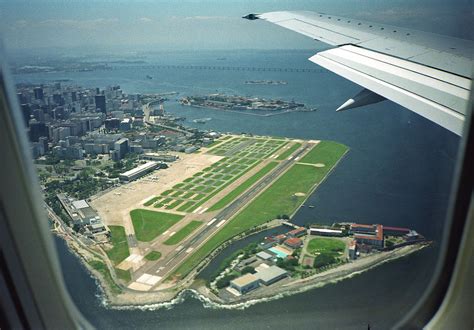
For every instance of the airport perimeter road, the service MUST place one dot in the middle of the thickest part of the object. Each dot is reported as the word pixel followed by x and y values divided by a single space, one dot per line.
pixel 165 267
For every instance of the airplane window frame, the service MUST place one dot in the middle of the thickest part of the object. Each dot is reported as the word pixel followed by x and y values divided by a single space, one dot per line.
pixel 24 201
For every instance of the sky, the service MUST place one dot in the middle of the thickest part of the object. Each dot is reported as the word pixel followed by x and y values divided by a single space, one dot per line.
pixel 207 24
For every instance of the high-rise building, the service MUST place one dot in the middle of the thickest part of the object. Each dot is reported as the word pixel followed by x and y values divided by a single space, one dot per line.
pixel 37 130
pixel 100 103
pixel 26 111
pixel 39 94
pixel 21 98
pixel 121 147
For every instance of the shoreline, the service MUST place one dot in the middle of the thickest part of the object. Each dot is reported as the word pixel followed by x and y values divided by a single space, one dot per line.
pixel 130 299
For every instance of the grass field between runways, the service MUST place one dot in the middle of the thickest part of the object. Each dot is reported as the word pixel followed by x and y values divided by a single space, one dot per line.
pixel 150 224
pixel 243 187
pixel 118 240
pixel 183 232
pixel 278 199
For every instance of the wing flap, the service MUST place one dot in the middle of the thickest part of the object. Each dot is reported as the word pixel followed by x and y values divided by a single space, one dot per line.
pixel 440 101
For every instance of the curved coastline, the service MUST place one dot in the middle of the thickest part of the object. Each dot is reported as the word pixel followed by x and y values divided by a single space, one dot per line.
pixel 130 299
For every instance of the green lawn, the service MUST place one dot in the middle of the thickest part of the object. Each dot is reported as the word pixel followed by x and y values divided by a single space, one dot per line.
pixel 289 151
pixel 278 199
pixel 149 224
pixel 324 152
pixel 118 239
pixel 153 255
pixel 215 143
pixel 244 186
pixel 151 201
pixel 123 274
pixel 102 268
pixel 183 233
pixel 185 206
pixel 321 245
pixel 173 205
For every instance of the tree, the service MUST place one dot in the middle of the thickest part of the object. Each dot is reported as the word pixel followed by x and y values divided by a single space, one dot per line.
pixel 247 270
pixel 323 260
pixel 225 281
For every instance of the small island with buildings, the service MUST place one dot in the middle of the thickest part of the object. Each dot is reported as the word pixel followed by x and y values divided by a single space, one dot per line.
pixel 249 105
pixel 265 82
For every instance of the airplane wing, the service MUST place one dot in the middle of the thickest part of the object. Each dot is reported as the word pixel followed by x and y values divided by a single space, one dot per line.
pixel 426 73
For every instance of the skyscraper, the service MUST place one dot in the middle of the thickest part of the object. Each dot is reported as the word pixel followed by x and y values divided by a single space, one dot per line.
pixel 121 147
pixel 100 103
pixel 39 95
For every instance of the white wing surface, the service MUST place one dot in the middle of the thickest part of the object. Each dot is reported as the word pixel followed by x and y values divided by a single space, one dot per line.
pixel 426 73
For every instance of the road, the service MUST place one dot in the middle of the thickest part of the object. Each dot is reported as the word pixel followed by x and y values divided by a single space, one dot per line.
pixel 165 267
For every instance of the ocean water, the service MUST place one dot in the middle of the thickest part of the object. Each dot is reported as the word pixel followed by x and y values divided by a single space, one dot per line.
pixel 398 172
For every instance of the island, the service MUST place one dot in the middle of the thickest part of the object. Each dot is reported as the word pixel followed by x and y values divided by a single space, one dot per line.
pixel 265 82
pixel 249 105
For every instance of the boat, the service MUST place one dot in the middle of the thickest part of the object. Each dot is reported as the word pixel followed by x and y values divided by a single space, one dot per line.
pixel 201 120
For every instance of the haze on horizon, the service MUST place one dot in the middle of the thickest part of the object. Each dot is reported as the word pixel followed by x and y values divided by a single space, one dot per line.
pixel 129 26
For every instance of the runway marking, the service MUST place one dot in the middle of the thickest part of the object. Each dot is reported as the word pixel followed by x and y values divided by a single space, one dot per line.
pixel 289 158
pixel 297 158
pixel 149 279
pixel 203 210
pixel 211 222
pixel 179 248
pixel 220 223
pixel 189 250
pixel 171 234
pixel 166 232
pixel 197 210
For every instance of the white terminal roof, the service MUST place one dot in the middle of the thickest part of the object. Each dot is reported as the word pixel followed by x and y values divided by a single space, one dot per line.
pixel 140 168
pixel 80 204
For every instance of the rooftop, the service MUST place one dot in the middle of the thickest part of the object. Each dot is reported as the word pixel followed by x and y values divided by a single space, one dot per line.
pixel 80 204
pixel 297 230
pixel 270 273
pixel 244 280
pixel 139 168
pixel 358 225
pixel 325 230
pixel 264 255
pixel 378 234
pixel 293 241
